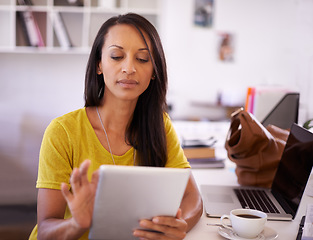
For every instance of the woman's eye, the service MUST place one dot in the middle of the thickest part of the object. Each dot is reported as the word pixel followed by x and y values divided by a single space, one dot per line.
pixel 116 58
pixel 143 60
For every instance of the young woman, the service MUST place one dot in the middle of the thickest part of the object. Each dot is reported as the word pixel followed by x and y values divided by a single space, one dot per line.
pixel 124 122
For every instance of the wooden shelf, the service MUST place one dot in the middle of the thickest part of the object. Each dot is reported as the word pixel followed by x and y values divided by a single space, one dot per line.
pixel 229 109
pixel 81 22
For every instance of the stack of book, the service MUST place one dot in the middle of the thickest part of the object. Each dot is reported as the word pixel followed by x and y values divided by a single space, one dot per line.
pixel 201 153
pixel 30 27
pixel 32 32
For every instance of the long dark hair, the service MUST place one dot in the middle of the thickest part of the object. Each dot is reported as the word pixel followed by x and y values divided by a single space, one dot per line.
pixel 145 132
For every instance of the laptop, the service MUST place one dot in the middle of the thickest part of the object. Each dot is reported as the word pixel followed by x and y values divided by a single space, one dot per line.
pixel 281 202
pixel 285 112
pixel 127 194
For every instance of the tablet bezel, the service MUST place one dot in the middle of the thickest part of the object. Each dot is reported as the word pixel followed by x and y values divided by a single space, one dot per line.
pixel 126 194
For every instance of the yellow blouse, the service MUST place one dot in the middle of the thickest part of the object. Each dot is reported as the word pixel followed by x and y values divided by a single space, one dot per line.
pixel 70 139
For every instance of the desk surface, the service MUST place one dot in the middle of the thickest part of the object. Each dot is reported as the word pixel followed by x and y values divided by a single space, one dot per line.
pixel 286 229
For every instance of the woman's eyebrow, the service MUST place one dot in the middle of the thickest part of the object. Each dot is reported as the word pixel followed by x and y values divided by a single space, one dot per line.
pixel 117 46
pixel 120 47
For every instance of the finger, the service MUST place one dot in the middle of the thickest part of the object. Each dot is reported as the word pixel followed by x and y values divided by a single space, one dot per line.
pixel 170 226
pixel 179 213
pixel 95 178
pixel 146 235
pixel 83 169
pixel 175 232
pixel 167 221
pixel 75 180
pixel 66 193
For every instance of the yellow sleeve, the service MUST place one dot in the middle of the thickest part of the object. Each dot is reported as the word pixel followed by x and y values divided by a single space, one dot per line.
pixel 176 156
pixel 55 156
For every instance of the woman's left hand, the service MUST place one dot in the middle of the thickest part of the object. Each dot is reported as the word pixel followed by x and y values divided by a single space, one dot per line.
pixel 163 228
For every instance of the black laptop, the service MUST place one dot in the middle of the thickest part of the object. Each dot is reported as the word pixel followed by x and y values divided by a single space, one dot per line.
pixel 281 202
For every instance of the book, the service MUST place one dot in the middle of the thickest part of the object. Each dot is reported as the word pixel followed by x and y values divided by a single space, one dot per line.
pixel 30 26
pixel 70 2
pixel 60 30
pixel 199 152
pixel 199 148
pixel 260 100
pixel 207 162
pixel 249 106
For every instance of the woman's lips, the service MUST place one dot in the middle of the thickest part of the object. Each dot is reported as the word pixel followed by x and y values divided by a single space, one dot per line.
pixel 127 83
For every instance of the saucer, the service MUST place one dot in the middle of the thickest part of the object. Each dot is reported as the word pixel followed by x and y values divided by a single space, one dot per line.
pixel 266 234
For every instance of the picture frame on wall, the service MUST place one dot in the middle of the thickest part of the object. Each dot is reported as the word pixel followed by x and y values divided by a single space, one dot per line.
pixel 203 13
pixel 225 46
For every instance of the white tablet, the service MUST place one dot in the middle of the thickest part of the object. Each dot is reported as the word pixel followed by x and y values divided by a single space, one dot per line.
pixel 126 194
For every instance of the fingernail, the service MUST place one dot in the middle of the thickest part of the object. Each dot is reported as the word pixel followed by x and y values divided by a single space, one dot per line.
pixel 143 223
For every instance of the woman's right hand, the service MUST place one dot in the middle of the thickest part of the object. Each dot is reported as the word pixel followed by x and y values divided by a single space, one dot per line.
pixel 51 206
pixel 81 200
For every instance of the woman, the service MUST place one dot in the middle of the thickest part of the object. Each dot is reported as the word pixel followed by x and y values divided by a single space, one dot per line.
pixel 123 123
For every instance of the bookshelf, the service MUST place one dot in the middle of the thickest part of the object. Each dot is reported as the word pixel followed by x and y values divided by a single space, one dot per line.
pixel 81 20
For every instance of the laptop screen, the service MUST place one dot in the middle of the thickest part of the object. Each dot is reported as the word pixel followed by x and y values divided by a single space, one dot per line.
pixel 295 167
pixel 285 113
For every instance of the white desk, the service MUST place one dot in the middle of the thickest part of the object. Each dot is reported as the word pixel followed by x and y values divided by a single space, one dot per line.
pixel 287 230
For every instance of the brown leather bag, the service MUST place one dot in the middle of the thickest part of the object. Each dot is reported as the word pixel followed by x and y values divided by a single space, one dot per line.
pixel 256 150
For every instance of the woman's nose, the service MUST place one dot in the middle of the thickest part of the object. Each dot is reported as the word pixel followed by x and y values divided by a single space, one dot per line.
pixel 128 67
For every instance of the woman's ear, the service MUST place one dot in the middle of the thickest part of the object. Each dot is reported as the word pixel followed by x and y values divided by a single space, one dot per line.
pixel 99 71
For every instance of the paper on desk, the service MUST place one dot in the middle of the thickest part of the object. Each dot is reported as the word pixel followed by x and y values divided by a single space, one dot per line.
pixel 202 131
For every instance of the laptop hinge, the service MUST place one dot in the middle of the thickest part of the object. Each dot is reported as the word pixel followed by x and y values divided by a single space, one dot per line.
pixel 281 200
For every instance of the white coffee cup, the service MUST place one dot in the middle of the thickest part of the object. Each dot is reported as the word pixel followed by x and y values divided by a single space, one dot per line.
pixel 246 223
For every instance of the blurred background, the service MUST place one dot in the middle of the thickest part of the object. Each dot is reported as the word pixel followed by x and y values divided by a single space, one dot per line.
pixel 215 50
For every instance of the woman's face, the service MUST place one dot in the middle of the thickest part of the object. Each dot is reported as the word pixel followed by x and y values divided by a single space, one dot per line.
pixel 125 63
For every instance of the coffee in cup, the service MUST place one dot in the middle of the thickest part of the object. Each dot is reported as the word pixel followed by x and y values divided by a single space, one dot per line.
pixel 246 223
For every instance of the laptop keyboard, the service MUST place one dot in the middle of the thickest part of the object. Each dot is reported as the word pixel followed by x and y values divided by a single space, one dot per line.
pixel 255 199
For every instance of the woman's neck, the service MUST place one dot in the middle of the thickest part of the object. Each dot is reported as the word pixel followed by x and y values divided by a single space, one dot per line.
pixel 116 115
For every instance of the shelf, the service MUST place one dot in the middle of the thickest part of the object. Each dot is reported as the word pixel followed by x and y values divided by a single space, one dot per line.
pixel 229 109
pixel 81 22
pixel 44 50
pixel 32 8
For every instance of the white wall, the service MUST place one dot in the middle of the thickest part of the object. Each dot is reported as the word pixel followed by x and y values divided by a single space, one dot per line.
pixel 273 45
pixel 33 90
